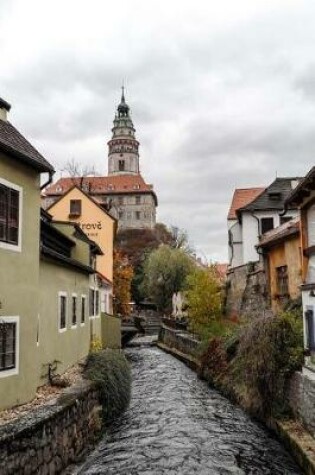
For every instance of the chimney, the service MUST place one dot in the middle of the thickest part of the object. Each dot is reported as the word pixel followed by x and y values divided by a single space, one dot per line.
pixel 4 109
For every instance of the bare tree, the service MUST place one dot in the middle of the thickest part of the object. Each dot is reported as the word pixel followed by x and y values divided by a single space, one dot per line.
pixel 78 172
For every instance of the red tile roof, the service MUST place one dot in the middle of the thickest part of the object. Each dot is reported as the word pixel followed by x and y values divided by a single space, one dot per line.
pixel 110 185
pixel 241 198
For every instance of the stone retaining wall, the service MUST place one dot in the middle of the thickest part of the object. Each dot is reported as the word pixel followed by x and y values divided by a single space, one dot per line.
pixel 302 399
pixel 49 438
pixel 246 291
pixel 178 339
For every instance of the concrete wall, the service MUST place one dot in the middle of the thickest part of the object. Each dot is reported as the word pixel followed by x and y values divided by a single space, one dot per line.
pixel 19 278
pixel 111 331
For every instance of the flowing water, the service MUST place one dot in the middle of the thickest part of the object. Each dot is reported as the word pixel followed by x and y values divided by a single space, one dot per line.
pixel 177 425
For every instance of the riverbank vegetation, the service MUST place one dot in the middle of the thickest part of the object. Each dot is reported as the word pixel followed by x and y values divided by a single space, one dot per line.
pixel 250 360
pixel 254 360
pixel 110 370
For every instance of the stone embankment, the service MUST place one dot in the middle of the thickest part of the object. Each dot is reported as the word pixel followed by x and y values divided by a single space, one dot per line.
pixel 299 441
pixel 49 438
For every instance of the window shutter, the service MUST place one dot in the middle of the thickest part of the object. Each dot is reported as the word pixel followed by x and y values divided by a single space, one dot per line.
pixel 3 212
pixel 13 221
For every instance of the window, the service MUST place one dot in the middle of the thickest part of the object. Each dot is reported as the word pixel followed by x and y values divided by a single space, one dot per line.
pixel 97 302
pixel 74 310
pixel 266 224
pixel 9 332
pixel 120 200
pixel 62 311
pixel 121 165
pixel 137 214
pixel 120 214
pixel 138 200
pixel 282 281
pixel 83 309
pixel 9 213
pixel 310 328
pixel 75 207
pixel 285 219
pixel 92 302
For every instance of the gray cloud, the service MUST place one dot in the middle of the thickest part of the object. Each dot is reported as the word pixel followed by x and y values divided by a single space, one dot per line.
pixel 222 98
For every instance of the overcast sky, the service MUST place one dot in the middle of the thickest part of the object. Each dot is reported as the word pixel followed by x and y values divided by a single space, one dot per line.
pixel 222 93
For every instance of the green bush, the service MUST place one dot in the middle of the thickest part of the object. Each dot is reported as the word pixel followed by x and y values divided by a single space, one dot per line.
pixel 110 370
pixel 270 349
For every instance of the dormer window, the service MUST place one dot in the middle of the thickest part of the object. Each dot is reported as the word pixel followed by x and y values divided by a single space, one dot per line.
pixel 136 187
pixel 59 189
pixel 75 207
pixel 275 195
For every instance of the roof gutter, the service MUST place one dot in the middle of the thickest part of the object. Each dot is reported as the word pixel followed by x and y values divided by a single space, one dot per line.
pixel 50 178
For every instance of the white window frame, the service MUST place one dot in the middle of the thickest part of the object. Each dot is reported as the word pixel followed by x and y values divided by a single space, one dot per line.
pixel 83 297
pixel 13 371
pixel 96 289
pixel 19 189
pixel 76 297
pixel 62 294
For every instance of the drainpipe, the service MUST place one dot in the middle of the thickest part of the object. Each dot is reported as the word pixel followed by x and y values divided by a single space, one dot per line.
pixel 50 178
pixel 231 244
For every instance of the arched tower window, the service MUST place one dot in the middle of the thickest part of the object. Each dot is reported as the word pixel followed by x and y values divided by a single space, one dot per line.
pixel 121 165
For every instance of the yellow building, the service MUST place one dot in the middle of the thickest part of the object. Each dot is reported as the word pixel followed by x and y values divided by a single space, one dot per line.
pixel 78 207
pixel 281 251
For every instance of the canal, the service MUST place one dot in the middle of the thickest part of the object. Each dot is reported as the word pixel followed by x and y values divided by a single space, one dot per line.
pixel 176 425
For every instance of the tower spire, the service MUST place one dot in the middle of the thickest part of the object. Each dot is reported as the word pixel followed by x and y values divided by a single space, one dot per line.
pixel 123 100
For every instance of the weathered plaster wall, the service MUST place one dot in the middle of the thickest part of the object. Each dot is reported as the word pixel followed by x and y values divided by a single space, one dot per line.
pixel 73 344
pixel 287 254
pixel 51 437
pixel 19 296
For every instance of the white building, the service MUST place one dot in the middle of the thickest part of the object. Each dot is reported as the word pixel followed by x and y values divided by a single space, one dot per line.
pixel 253 212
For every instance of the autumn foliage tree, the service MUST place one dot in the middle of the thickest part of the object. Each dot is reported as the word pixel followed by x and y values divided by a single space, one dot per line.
pixel 123 274
pixel 204 302
pixel 165 272
pixel 137 244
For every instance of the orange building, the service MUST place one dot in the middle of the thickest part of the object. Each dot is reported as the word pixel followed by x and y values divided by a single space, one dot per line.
pixel 280 249
pixel 77 206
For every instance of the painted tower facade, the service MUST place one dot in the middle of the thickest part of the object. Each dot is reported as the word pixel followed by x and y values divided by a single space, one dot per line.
pixel 123 148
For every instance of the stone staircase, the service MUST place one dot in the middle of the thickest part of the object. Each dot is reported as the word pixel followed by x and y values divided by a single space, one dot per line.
pixel 152 323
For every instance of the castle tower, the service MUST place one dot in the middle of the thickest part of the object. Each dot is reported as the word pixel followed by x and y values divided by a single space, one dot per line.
pixel 123 148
